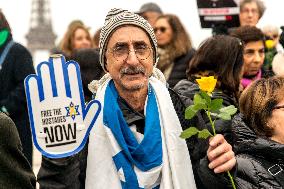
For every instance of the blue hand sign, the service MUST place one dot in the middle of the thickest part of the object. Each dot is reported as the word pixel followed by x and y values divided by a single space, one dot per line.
pixel 60 121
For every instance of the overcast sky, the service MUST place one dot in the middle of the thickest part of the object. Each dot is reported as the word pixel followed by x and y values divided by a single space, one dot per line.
pixel 92 12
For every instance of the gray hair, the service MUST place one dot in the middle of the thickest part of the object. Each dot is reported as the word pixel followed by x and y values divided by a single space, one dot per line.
pixel 260 6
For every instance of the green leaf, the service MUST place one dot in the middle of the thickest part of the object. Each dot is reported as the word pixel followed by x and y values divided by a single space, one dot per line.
pixel 204 134
pixel 231 110
pixel 189 132
pixel 197 99
pixel 206 97
pixel 216 104
pixel 199 106
pixel 190 112
pixel 224 116
pixel 199 102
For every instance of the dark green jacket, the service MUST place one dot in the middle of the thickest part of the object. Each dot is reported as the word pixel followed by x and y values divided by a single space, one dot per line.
pixel 15 171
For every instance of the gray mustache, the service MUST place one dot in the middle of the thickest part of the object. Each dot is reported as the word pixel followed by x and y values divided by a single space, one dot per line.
pixel 132 70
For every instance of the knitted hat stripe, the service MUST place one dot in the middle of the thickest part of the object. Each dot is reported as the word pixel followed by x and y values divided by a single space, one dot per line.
pixel 113 13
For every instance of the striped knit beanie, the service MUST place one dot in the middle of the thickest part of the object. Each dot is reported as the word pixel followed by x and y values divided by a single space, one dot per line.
pixel 118 17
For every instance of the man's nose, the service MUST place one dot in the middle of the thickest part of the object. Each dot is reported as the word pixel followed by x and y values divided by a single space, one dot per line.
pixel 132 58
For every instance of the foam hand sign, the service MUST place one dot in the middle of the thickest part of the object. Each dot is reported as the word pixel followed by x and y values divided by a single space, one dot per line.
pixel 59 119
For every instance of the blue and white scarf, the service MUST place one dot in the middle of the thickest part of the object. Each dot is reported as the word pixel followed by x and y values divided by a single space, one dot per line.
pixel 116 159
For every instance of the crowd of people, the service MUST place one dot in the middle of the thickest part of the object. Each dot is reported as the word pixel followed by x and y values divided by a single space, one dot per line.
pixel 146 68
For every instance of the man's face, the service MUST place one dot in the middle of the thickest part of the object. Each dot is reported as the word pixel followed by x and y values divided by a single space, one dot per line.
pixel 249 14
pixel 253 57
pixel 130 70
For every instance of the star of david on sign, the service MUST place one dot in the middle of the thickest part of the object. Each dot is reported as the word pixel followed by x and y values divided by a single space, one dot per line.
pixel 72 110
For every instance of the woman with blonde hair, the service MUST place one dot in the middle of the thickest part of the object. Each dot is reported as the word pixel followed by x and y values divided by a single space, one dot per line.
pixel 76 37
pixel 259 131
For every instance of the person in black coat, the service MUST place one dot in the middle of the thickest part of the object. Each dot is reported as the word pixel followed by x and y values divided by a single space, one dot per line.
pixel 16 65
pixel 219 56
pixel 259 133
pixel 16 172
pixel 90 68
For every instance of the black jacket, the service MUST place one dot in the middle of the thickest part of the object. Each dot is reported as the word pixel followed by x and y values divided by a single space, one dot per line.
pixel 17 65
pixel 250 150
pixel 15 171
pixel 179 69
pixel 198 147
pixel 70 172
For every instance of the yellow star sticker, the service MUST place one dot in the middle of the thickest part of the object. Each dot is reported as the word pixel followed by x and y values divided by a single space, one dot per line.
pixel 72 110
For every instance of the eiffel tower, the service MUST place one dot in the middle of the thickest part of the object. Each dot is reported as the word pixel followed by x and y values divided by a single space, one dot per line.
pixel 40 35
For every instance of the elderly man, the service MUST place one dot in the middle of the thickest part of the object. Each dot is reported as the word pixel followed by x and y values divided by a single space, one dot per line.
pixel 250 12
pixel 135 142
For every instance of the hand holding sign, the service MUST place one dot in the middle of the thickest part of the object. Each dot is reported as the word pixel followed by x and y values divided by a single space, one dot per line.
pixel 59 119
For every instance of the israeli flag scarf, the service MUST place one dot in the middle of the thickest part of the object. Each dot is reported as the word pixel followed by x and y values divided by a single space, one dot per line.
pixel 117 160
pixel 147 154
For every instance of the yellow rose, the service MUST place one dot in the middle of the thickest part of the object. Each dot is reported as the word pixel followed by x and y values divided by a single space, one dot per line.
pixel 269 44
pixel 207 84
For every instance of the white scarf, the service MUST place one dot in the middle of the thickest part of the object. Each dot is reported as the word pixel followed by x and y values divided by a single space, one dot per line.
pixel 176 169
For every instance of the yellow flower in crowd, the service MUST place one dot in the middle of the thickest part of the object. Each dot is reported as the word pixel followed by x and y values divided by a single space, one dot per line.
pixel 269 44
pixel 207 84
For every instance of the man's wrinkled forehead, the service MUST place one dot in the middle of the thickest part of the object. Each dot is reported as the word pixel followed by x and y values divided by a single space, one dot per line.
pixel 129 34
pixel 129 43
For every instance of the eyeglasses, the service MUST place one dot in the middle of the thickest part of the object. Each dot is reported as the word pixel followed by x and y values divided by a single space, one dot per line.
pixel 278 107
pixel 121 52
pixel 162 29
